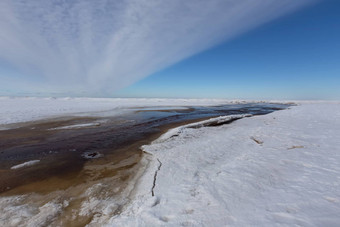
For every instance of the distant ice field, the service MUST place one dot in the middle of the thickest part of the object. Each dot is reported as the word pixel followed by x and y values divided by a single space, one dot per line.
pixel 18 109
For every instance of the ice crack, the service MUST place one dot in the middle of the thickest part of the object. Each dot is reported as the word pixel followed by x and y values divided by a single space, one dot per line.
pixel 155 177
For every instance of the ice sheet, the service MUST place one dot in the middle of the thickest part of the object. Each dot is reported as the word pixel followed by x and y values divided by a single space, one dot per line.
pixel 279 169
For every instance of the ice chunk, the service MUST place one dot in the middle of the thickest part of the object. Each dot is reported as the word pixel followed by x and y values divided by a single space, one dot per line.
pixel 25 164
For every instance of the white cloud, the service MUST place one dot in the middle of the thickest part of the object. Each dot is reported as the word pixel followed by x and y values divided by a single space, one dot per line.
pixel 106 45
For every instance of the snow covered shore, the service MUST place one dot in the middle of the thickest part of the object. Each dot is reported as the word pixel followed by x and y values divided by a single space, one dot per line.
pixel 278 169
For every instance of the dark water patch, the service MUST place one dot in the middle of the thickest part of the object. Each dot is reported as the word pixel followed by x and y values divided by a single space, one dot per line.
pixel 91 155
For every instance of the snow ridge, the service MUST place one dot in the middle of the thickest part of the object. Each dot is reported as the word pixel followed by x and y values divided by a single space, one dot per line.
pixel 216 121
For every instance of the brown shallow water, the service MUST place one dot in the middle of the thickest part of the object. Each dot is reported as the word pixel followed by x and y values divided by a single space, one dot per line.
pixel 65 176
pixel 104 157
pixel 61 154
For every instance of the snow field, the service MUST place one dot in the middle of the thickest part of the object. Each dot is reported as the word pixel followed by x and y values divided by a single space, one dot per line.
pixel 278 169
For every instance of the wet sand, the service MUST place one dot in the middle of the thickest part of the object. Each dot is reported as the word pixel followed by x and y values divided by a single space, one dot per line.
pixel 66 171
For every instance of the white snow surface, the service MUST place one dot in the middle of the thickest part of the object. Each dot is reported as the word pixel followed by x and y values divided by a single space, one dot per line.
pixel 23 109
pixel 25 164
pixel 13 213
pixel 280 169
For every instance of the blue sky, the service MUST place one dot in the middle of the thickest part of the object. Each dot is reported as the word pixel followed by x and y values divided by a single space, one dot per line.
pixel 245 49
pixel 294 57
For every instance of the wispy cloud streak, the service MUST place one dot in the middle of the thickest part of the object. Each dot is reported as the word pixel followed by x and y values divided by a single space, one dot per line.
pixel 105 45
